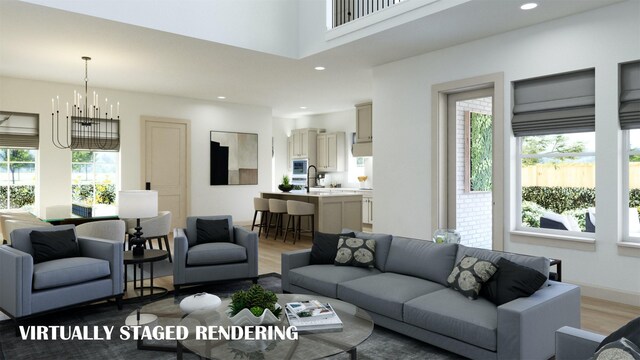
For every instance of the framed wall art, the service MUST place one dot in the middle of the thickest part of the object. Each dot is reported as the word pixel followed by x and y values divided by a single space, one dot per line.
pixel 234 158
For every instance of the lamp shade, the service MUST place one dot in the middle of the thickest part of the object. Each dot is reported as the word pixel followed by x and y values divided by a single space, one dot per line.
pixel 137 204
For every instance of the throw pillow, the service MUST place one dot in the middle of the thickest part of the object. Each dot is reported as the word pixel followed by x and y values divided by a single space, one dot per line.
pixel 510 282
pixel 621 349
pixel 356 252
pixel 325 247
pixel 630 331
pixel 210 231
pixel 52 245
pixel 468 276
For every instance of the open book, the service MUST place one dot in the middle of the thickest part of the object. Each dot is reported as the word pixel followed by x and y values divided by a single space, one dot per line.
pixel 312 315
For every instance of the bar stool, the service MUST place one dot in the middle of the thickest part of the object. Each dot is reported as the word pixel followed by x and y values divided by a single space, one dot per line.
pixel 278 208
pixel 298 209
pixel 260 205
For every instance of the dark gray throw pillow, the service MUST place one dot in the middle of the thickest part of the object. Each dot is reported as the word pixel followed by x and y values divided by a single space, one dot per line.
pixel 621 349
pixel 210 231
pixel 511 281
pixel 468 276
pixel 325 247
pixel 630 331
pixel 356 252
pixel 53 245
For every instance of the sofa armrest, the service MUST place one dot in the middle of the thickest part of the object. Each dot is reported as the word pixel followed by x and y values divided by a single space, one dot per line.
pixel 572 343
pixel 180 249
pixel 16 274
pixel 249 240
pixel 107 250
pixel 292 260
pixel 527 326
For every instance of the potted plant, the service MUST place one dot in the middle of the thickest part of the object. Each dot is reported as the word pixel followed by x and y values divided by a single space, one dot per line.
pixel 254 307
pixel 285 186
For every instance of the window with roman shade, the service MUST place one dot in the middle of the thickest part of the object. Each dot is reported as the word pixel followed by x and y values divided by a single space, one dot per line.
pixel 102 134
pixel 556 104
pixel 19 130
pixel 630 96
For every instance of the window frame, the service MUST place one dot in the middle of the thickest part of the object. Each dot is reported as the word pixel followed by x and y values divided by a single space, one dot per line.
pixel 556 234
pixel 93 167
pixel 626 234
pixel 35 180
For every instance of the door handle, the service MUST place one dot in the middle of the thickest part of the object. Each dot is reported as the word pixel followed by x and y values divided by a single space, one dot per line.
pixel 147 186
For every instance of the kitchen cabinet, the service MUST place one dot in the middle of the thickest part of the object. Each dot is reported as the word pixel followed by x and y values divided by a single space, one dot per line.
pixel 330 152
pixel 367 209
pixel 304 144
pixel 364 129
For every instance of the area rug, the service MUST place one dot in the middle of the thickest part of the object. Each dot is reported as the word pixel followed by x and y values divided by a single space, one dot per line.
pixel 383 343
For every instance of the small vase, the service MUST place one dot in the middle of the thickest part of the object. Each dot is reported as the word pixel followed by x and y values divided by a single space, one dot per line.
pixel 285 188
pixel 446 236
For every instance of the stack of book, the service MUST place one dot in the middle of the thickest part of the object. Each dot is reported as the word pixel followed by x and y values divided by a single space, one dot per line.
pixel 312 315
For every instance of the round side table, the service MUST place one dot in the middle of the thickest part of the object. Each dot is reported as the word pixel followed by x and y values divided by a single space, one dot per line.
pixel 150 256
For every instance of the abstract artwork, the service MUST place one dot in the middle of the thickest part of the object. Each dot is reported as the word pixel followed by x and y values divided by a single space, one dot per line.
pixel 234 158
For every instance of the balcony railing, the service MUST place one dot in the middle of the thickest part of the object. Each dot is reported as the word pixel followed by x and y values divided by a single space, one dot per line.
pixel 345 11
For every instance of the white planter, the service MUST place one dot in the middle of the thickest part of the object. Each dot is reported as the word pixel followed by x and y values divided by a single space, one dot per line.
pixel 245 317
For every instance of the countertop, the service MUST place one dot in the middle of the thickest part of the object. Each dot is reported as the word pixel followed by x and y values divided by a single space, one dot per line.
pixel 316 193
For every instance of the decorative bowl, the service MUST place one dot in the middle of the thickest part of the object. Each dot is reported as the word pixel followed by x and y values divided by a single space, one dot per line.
pixel 285 188
pixel 199 301
pixel 245 317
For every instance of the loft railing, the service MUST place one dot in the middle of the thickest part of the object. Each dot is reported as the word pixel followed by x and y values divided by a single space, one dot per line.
pixel 348 10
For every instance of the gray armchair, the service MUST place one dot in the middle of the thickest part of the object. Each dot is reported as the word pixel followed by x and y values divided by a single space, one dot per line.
pixel 202 263
pixel 29 289
pixel 572 343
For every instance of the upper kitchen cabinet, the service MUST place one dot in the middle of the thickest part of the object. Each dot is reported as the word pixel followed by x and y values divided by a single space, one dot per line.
pixel 363 123
pixel 304 144
pixel 331 154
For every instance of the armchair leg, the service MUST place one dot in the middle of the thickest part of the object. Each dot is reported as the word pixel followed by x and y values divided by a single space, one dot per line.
pixel 166 244
pixel 176 290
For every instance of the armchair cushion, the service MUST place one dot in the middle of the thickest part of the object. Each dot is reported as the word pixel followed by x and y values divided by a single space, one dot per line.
pixel 212 231
pixel 191 231
pixel 52 245
pixel 62 272
pixel 216 253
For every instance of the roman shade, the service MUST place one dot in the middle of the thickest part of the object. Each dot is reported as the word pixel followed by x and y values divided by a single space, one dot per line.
pixel 556 104
pixel 630 95
pixel 19 130
pixel 102 134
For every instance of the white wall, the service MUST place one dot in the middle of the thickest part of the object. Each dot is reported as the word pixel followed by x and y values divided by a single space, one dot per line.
pixel 281 130
pixel 402 91
pixel 55 165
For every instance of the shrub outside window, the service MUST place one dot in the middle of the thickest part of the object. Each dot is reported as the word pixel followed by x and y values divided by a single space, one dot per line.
pixel 632 187
pixel 556 183
pixel 94 177
pixel 17 178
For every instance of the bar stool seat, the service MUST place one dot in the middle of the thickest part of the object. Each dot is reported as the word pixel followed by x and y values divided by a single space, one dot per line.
pixel 260 205
pixel 278 208
pixel 296 210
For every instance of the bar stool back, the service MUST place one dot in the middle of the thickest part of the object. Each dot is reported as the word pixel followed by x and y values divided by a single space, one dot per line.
pixel 260 205
pixel 278 208
pixel 296 210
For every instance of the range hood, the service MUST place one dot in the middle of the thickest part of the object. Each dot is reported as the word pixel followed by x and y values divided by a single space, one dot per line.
pixel 362 149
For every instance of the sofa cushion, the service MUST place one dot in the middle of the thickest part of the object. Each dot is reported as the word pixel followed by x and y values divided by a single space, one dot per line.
pixel 210 231
pixel 356 252
pixel 62 272
pixel 385 293
pixel 537 263
pixel 52 245
pixel 324 279
pixel 621 349
pixel 446 312
pixel 325 247
pixel 215 254
pixel 469 275
pixel 421 258
pixel 510 282
pixel 383 243
pixel 630 331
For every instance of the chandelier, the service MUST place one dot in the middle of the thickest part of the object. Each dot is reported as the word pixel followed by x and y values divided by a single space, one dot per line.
pixel 84 127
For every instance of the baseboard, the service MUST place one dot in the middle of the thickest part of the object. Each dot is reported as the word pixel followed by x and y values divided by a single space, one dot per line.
pixel 604 293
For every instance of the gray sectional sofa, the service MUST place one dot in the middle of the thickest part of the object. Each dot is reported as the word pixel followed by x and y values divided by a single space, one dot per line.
pixel 407 292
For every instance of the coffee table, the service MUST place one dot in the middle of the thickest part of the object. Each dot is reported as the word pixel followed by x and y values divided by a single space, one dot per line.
pixel 357 327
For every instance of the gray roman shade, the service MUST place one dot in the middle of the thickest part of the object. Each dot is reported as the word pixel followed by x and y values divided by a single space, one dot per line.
pixel 630 95
pixel 97 135
pixel 556 104
pixel 19 130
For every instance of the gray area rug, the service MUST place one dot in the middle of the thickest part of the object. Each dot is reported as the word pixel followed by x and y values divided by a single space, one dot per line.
pixel 383 343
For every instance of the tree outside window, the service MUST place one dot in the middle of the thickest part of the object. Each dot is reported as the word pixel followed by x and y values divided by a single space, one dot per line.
pixel 17 178
pixel 94 177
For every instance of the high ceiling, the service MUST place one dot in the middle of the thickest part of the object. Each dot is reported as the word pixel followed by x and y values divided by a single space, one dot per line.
pixel 38 42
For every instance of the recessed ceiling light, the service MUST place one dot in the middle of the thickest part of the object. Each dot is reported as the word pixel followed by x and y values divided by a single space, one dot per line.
pixel 303 107
pixel 528 6
pixel 319 68
pixel 222 97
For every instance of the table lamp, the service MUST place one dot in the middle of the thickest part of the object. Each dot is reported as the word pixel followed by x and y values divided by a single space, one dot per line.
pixel 137 204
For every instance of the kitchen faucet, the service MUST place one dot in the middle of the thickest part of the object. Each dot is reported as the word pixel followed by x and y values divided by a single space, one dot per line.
pixel 308 173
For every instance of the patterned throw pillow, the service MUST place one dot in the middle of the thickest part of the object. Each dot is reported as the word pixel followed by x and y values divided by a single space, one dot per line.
pixel 622 349
pixel 356 252
pixel 469 275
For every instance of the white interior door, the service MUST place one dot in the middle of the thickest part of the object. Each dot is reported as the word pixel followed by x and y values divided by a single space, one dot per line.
pixel 165 161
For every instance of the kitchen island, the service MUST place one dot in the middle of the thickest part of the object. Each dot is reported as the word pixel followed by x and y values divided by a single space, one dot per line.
pixel 334 210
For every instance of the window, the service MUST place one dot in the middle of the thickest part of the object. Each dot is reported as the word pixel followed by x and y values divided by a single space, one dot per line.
pixel 632 221
pixel 557 181
pixel 17 178
pixel 629 116
pixel 94 177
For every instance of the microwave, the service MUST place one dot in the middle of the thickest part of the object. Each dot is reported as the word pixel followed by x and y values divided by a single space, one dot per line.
pixel 299 167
